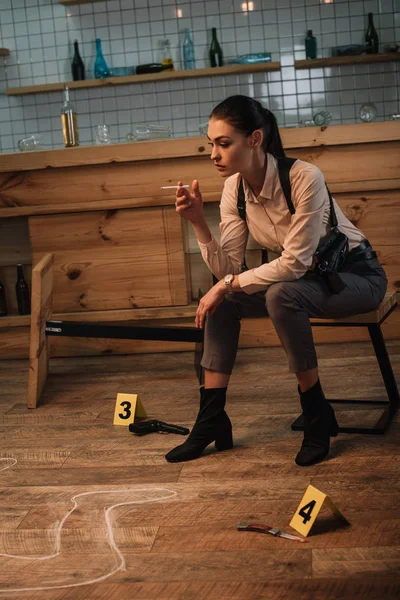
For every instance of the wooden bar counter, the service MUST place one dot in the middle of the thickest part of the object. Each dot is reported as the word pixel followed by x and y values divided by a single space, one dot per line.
pixel 122 254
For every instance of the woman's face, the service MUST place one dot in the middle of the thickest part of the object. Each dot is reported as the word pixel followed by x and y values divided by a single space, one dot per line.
pixel 232 151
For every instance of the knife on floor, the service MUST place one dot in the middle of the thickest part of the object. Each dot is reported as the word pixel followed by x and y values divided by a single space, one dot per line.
pixel 271 530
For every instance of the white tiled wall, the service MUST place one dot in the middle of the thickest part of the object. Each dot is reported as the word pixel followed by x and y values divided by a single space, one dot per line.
pixel 40 33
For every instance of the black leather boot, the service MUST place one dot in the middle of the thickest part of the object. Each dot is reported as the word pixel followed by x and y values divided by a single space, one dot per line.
pixel 319 425
pixel 212 425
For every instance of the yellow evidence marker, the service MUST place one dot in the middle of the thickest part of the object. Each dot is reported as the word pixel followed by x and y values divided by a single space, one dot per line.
pixel 127 407
pixel 308 509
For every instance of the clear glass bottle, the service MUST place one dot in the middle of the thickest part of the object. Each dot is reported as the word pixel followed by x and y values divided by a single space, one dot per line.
pixel 167 56
pixel 77 66
pixel 188 52
pixel 371 37
pixel 3 300
pixel 22 291
pixel 69 122
pixel 101 70
pixel 311 45
pixel 216 56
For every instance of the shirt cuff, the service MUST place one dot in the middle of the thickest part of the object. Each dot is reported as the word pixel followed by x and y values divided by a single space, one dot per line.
pixel 211 246
pixel 248 286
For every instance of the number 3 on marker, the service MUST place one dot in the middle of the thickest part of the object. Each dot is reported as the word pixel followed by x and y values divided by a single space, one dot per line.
pixel 127 410
pixel 127 407
pixel 306 510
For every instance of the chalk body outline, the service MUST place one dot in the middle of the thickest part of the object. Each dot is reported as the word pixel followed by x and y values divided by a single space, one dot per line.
pixel 110 534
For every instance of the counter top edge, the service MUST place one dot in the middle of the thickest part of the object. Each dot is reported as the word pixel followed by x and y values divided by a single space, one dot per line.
pixel 294 137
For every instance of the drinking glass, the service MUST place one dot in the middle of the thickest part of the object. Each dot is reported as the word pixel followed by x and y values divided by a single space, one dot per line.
pixel 102 135
pixel 31 143
pixel 152 131
pixel 368 112
pixel 323 118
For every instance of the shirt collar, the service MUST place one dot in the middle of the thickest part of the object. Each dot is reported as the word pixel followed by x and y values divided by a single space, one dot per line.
pixel 269 182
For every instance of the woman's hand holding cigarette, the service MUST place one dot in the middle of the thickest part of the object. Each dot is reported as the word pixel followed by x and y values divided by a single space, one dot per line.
pixel 189 205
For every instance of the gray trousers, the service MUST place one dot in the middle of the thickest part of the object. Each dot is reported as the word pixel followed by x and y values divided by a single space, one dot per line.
pixel 290 304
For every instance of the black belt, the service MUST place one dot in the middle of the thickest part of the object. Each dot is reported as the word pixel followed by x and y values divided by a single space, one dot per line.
pixel 361 252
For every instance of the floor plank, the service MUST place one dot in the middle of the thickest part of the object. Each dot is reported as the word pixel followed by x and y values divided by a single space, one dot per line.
pixel 109 518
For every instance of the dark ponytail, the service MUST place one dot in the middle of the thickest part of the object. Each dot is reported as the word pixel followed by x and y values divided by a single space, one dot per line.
pixel 247 115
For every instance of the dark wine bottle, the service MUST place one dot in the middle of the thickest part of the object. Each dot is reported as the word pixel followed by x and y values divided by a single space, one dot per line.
pixel 216 57
pixel 77 66
pixel 22 290
pixel 371 37
pixel 311 45
pixel 3 300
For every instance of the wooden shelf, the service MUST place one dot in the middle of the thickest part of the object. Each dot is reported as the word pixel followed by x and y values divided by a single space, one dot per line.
pixel 335 61
pixel 163 76
pixel 4 52
pixel 15 321
pixel 73 2
pixel 151 195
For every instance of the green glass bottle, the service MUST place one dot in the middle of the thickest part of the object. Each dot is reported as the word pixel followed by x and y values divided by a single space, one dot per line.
pixel 311 45
pixel 216 57
pixel 371 37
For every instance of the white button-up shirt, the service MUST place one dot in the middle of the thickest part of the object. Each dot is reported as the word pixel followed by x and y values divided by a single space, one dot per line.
pixel 294 237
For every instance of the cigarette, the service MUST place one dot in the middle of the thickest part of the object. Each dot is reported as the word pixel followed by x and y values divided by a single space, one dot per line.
pixel 173 187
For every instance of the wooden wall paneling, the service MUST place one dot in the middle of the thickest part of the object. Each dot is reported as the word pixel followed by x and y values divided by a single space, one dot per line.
pixel 69 346
pixel 356 163
pixel 113 259
pixel 139 184
pixel 42 293
pixel 14 343
pixel 376 213
pixel 14 241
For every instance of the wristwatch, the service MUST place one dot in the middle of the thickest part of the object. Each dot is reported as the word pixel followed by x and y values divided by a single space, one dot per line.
pixel 228 280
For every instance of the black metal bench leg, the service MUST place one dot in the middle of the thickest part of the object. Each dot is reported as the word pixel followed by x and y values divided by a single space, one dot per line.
pixel 388 377
pixel 393 398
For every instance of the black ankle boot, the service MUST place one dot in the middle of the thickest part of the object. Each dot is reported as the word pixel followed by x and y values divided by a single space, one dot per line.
pixel 319 425
pixel 212 424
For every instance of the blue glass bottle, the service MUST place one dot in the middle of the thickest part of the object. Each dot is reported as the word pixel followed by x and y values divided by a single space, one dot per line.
pixel 101 69
pixel 188 52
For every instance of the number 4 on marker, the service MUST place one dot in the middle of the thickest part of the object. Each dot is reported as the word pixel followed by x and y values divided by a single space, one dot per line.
pixel 308 510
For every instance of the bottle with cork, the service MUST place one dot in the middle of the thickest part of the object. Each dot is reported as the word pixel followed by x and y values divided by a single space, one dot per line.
pixel 167 61
pixel 69 122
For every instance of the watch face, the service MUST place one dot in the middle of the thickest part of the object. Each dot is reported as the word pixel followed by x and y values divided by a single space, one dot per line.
pixel 228 279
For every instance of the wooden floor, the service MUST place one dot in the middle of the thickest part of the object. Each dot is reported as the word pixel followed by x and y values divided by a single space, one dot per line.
pixel 87 510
